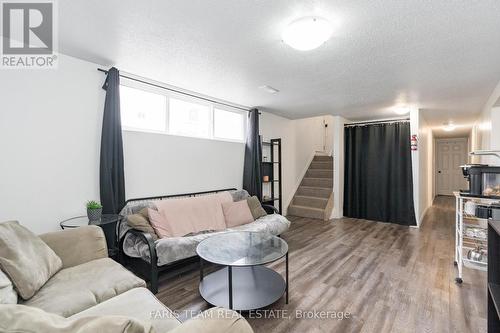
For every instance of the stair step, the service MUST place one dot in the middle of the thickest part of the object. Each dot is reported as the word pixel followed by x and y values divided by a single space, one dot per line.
pixel 321 165
pixel 317 182
pixel 314 191
pixel 322 158
pixel 302 211
pixel 307 201
pixel 319 173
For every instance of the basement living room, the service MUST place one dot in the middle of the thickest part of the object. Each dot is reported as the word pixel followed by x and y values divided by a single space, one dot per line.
pixel 249 166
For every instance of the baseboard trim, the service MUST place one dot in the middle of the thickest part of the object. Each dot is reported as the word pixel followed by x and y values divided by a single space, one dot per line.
pixel 422 217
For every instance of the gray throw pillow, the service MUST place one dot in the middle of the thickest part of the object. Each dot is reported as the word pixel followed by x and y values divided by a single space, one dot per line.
pixel 26 259
pixel 255 207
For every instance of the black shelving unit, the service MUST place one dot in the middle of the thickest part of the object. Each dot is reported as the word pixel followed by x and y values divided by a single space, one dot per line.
pixel 272 188
pixel 493 276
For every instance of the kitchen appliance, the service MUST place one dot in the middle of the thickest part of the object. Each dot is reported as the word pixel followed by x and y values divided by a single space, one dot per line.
pixel 483 211
pixel 484 180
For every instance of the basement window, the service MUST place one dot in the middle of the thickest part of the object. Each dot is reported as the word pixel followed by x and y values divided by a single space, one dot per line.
pixel 142 110
pixel 229 125
pixel 188 118
pixel 146 109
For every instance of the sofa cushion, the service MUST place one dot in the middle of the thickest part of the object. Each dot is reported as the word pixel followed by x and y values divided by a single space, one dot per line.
pixel 140 221
pixel 215 320
pixel 20 318
pixel 76 246
pixel 179 217
pixel 137 303
pixel 7 293
pixel 78 288
pixel 255 207
pixel 26 259
pixel 236 213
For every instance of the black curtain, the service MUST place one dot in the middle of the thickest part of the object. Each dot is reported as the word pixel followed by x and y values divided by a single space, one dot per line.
pixel 378 173
pixel 112 179
pixel 252 178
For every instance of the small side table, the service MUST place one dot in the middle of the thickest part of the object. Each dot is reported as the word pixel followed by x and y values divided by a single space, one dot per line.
pixel 109 224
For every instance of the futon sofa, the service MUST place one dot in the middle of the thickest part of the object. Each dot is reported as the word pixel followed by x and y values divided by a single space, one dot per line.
pixel 147 256
pixel 87 292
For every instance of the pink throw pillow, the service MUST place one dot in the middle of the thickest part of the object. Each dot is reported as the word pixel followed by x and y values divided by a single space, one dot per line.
pixel 237 213
pixel 159 223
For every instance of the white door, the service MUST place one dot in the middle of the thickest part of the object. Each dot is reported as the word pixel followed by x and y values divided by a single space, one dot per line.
pixel 450 155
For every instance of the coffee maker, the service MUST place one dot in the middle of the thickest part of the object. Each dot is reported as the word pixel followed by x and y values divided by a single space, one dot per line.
pixel 484 180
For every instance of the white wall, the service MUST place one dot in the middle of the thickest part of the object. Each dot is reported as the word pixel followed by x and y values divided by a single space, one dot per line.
pixel 338 166
pixel 481 136
pixel 50 129
pixel 415 163
pixel 422 164
pixel 486 131
pixel 50 125
pixel 495 133
pixel 425 167
pixel 157 164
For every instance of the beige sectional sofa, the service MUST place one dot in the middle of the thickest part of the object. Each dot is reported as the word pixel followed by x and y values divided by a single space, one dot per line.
pixel 90 285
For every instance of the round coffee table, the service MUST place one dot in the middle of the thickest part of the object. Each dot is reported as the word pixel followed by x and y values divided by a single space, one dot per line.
pixel 244 283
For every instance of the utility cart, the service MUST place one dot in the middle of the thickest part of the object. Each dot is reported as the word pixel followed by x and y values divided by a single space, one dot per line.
pixel 471 232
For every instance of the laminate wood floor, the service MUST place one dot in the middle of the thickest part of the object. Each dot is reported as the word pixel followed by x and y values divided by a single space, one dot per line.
pixel 390 278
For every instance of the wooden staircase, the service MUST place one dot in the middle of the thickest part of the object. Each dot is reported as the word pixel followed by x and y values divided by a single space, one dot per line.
pixel 314 197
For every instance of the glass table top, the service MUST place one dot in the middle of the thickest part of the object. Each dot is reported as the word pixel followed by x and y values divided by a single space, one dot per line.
pixel 242 248
pixel 84 220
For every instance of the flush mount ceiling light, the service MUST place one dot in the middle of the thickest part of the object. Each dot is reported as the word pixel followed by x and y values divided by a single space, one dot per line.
pixel 448 127
pixel 307 33
pixel 402 110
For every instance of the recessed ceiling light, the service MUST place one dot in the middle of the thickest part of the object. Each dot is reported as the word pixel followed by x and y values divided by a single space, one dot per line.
pixel 402 110
pixel 269 89
pixel 307 33
pixel 448 127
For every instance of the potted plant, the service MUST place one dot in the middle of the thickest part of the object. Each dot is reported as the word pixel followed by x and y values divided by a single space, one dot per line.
pixel 94 210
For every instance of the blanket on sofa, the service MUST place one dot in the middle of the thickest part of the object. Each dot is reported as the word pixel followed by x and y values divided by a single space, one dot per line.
pixel 180 217
pixel 176 248
pixel 172 249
